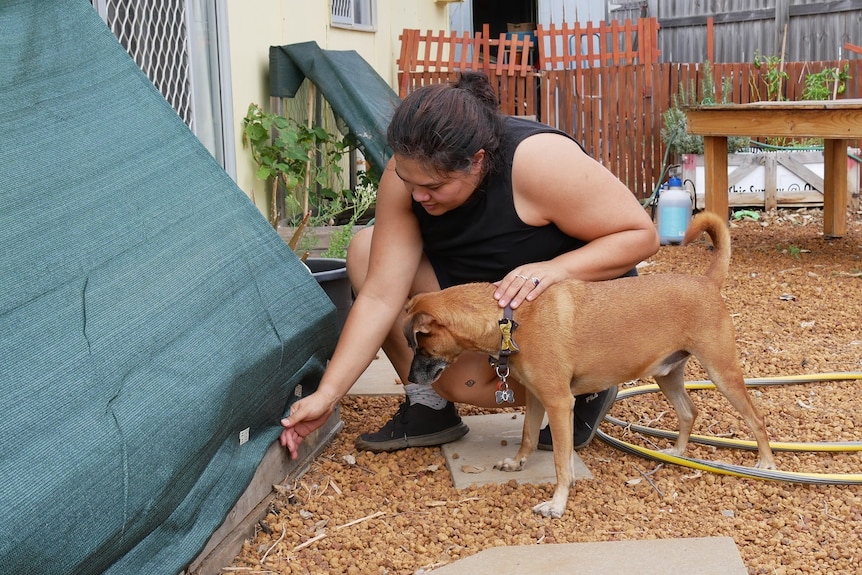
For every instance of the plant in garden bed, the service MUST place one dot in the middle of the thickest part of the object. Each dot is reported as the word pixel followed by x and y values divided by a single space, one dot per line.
pixel 305 163
pixel 826 84
pixel 674 133
pixel 773 75
pixel 361 202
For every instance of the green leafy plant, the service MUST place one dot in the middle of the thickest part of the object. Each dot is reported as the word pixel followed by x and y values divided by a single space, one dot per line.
pixel 364 198
pixel 773 75
pixel 306 163
pixel 826 84
pixel 305 160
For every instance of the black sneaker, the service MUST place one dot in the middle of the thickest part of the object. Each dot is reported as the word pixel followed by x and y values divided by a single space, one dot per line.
pixel 415 425
pixel 590 410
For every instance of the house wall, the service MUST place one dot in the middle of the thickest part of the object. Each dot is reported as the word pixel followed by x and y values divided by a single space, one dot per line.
pixel 571 11
pixel 255 26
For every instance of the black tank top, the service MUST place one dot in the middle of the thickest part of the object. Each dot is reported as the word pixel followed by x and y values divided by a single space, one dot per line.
pixel 484 239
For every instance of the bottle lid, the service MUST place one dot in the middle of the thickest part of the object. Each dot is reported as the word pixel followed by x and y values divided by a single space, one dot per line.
pixel 674 182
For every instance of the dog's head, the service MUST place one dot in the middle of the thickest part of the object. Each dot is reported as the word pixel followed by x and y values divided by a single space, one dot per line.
pixel 434 347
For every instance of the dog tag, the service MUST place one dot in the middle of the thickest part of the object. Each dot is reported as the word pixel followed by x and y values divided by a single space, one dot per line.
pixel 504 394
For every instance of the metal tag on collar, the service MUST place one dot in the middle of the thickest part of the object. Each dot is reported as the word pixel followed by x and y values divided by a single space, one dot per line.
pixel 503 393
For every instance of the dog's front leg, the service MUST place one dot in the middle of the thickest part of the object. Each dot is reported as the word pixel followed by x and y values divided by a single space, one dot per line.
pixel 534 411
pixel 562 430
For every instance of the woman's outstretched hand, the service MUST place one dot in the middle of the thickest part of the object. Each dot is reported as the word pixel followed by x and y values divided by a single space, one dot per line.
pixel 306 415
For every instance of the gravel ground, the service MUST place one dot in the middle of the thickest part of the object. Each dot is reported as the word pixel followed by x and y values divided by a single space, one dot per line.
pixel 797 302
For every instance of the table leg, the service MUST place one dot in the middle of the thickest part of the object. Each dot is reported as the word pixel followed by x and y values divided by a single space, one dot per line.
pixel 835 188
pixel 715 172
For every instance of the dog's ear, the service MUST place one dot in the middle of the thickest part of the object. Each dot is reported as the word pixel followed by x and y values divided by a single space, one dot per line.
pixel 412 302
pixel 418 323
pixel 422 322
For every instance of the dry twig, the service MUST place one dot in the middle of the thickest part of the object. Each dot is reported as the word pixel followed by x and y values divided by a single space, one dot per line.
pixel 311 541
pixel 650 481
pixel 361 519
pixel 271 547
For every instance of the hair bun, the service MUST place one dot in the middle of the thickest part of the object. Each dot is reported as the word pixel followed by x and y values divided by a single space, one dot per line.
pixel 477 84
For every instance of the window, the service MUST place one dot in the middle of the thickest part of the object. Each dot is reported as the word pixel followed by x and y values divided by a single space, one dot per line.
pixel 357 14
pixel 179 44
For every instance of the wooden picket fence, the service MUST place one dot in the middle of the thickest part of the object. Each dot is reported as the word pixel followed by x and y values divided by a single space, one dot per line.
pixel 429 58
pixel 599 44
pixel 512 60
pixel 615 110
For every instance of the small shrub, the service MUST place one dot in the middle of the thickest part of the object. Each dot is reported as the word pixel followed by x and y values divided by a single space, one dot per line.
pixel 674 132
pixel 826 84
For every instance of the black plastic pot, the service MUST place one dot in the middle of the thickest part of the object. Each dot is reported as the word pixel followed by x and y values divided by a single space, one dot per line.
pixel 331 275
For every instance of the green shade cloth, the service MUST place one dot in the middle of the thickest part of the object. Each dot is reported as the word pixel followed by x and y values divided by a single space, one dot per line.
pixel 148 312
pixel 359 97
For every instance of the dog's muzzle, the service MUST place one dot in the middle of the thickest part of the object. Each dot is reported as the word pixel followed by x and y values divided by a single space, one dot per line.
pixel 424 369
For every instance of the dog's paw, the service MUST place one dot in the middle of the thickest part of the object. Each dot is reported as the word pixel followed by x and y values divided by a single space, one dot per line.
pixel 549 509
pixel 761 464
pixel 510 464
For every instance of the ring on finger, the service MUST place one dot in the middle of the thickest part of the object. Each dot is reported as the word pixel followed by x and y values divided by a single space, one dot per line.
pixel 535 281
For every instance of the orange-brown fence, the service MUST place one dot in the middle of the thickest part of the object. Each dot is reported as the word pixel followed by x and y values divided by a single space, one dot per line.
pixel 612 113
pixel 601 44
pixel 615 111
pixel 428 58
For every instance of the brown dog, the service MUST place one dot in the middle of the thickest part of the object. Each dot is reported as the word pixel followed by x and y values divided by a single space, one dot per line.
pixel 583 337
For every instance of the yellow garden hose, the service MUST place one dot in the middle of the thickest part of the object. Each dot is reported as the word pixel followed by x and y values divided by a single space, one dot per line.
pixel 741 470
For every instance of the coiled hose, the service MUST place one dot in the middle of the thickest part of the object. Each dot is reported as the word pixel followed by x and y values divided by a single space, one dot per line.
pixel 740 470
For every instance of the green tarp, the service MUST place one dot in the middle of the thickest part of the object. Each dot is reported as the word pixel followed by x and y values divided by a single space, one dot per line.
pixel 149 315
pixel 357 94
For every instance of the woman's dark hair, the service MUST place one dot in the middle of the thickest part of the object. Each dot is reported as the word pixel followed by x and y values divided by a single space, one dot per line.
pixel 444 125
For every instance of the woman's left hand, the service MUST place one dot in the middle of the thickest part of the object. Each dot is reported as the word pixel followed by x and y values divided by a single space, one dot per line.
pixel 526 282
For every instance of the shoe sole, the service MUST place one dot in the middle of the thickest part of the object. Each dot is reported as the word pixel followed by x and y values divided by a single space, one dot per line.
pixel 428 440
pixel 606 407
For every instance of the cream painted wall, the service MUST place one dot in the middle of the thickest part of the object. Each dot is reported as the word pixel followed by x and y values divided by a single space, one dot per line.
pixel 255 25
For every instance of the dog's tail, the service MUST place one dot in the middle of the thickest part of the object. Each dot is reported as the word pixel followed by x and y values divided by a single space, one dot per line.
pixel 716 227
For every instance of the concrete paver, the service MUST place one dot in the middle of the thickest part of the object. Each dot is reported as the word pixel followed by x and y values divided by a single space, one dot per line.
pixel 492 438
pixel 379 379
pixel 692 556
pixel 482 447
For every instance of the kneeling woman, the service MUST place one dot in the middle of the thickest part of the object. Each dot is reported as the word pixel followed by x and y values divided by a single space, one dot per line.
pixel 472 195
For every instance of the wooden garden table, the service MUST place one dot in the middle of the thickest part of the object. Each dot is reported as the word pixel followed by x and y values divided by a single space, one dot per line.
pixel 836 121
